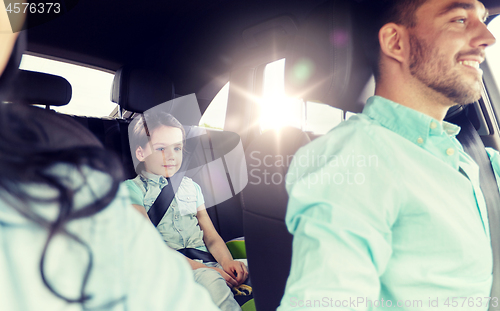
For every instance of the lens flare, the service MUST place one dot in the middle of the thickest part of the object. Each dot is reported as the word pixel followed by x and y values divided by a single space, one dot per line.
pixel 302 71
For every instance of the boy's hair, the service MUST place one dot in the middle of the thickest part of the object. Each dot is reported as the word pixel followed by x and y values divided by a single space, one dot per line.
pixel 377 13
pixel 148 122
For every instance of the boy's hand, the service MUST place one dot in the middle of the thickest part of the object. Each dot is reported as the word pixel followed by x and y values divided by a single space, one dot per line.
pixel 237 270
pixel 230 281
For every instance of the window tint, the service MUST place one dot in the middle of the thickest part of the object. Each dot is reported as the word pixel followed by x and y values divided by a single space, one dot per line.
pixel 91 87
pixel 215 114
pixel 278 110
pixel 493 52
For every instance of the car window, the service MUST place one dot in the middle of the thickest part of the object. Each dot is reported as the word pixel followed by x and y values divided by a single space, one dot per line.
pixel 91 87
pixel 215 114
pixel 278 110
pixel 493 51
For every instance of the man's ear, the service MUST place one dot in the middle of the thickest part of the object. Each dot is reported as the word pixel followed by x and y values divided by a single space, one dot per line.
pixel 393 43
pixel 139 154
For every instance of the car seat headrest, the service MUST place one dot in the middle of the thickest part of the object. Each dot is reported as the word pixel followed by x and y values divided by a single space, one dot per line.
pixel 32 87
pixel 326 62
pixel 138 89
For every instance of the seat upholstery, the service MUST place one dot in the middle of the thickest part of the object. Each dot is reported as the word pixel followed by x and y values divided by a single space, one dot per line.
pixel 327 62
pixel 138 89
pixel 112 133
pixel 268 242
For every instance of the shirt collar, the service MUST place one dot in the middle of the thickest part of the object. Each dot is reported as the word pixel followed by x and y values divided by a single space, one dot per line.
pixel 150 177
pixel 411 124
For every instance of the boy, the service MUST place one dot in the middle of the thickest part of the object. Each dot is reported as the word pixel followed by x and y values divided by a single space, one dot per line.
pixel 158 139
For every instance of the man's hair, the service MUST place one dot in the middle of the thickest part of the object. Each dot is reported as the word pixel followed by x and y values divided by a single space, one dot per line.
pixel 377 13
pixel 146 123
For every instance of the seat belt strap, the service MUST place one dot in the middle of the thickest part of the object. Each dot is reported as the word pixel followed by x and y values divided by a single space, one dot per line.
pixel 473 145
pixel 162 203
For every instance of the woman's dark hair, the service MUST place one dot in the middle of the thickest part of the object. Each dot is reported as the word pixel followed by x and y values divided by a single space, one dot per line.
pixel 32 141
pixel 144 124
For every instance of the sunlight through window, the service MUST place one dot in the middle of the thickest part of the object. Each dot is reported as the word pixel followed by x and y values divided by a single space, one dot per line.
pixel 278 110
pixel 90 87
pixel 493 51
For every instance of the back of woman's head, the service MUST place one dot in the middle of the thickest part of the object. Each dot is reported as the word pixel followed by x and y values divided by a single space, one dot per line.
pixel 32 141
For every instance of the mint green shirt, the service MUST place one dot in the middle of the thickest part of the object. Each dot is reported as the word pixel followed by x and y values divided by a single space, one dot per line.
pixel 179 226
pixel 129 259
pixel 387 214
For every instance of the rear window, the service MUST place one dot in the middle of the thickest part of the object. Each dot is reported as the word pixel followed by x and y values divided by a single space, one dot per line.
pixel 91 87
pixel 215 115
pixel 279 110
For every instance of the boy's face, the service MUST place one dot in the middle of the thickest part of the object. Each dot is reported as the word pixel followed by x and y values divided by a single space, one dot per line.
pixel 163 155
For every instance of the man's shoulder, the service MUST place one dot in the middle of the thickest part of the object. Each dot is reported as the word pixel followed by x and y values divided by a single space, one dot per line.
pixel 359 133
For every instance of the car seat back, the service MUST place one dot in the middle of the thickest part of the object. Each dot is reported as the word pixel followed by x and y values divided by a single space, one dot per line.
pixel 268 242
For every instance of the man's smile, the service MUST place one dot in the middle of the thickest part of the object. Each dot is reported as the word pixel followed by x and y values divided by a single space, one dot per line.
pixel 470 63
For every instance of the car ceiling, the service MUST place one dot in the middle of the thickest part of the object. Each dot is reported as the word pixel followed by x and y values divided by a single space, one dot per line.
pixel 194 41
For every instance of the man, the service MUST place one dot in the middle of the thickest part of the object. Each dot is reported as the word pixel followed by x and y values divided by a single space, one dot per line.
pixel 386 209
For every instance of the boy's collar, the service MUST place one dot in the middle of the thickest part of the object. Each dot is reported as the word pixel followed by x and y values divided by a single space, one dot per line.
pixel 153 177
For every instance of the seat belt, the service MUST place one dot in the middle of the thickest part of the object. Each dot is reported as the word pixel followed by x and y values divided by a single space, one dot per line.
pixel 473 145
pixel 159 209
pixel 163 201
pixel 167 194
pixel 161 204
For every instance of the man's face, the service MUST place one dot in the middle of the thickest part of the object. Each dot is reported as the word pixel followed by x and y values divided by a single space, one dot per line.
pixel 163 155
pixel 447 45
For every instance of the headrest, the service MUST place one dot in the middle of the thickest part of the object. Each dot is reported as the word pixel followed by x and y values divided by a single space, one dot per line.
pixel 138 89
pixel 11 69
pixel 38 88
pixel 326 62
pixel 266 178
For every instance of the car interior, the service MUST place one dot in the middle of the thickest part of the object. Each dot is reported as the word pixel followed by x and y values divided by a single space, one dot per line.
pixel 165 51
